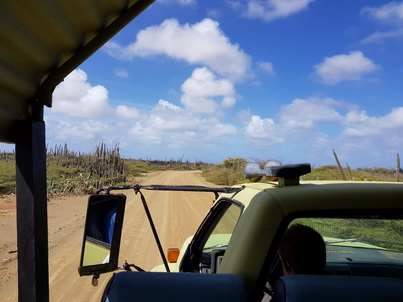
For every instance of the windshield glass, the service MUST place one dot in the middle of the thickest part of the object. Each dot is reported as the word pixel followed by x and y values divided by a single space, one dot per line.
pixel 370 241
pixel 221 234
pixel 217 241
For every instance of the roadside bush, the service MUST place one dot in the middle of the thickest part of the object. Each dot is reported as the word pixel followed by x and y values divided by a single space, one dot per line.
pixel 7 188
pixel 7 175
pixel 324 173
pixel 228 173
pixel 224 176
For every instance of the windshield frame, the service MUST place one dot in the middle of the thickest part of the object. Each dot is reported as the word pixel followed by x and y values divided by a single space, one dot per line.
pixel 191 260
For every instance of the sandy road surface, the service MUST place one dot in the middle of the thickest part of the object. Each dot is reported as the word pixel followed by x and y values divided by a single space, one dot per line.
pixel 176 216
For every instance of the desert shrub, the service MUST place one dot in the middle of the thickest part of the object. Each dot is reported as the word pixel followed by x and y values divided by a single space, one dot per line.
pixel 7 175
pixel 223 176
pixel 228 173
pixel 324 173
pixel 69 172
pixel 7 188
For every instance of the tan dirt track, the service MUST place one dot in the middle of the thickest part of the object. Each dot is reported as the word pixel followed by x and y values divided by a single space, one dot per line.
pixel 176 216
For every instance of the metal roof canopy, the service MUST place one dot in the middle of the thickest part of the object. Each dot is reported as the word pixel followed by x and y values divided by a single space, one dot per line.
pixel 41 42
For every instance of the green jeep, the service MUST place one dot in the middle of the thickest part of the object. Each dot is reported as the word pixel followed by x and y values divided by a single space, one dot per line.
pixel 234 253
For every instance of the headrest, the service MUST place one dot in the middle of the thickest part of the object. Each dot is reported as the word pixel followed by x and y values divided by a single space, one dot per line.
pixel 301 288
pixel 153 286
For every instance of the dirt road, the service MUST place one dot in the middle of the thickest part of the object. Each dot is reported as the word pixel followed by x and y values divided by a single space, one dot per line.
pixel 176 216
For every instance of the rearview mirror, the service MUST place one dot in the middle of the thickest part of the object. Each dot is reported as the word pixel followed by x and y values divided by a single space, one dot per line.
pixel 102 233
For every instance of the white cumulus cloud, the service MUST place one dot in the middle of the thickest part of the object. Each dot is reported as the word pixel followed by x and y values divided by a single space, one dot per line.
pixel 361 125
pixel 315 126
pixel 344 67
pixel 202 43
pixel 180 2
pixel 304 113
pixel 76 97
pixel 78 131
pixel 121 72
pixel 204 93
pixel 172 125
pixel 83 116
pixel 295 120
pixel 376 134
pixel 391 13
pixel 380 37
pixel 266 67
pixel 390 16
pixel 126 112
pixel 269 10
pixel 258 127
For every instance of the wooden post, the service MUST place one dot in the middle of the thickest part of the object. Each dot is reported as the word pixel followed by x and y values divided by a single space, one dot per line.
pixel 32 227
pixel 398 167
pixel 338 164
pixel 350 176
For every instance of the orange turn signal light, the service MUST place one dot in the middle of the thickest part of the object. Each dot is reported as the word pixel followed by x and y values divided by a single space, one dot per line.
pixel 173 255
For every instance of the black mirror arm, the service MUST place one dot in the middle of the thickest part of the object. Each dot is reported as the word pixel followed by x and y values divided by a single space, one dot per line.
pixel 127 267
pixel 109 189
pixel 143 200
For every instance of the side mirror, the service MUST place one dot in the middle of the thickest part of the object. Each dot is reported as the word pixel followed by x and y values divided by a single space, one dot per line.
pixel 102 233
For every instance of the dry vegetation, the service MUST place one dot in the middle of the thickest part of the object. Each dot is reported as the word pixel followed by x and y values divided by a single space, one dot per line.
pixel 230 172
pixel 360 174
pixel 69 172
pixel 76 173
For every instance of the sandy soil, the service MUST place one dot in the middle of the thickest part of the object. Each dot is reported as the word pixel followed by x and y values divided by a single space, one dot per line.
pixel 176 216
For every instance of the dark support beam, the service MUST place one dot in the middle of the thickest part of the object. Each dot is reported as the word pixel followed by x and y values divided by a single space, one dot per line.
pixel 32 223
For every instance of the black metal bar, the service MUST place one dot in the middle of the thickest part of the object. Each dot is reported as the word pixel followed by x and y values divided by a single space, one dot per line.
pixel 108 189
pixel 173 188
pixel 32 227
pixel 164 259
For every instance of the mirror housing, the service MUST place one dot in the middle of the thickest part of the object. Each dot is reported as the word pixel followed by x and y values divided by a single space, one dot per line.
pixel 102 233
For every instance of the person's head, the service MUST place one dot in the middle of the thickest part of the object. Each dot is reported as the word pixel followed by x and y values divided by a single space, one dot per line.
pixel 302 251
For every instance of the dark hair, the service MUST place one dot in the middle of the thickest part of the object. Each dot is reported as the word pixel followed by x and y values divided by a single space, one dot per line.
pixel 303 249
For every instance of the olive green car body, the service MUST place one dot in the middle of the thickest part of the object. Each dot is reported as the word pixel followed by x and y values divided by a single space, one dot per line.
pixel 269 208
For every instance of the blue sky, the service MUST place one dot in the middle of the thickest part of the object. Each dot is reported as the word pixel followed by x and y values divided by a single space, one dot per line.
pixel 273 79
